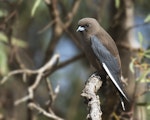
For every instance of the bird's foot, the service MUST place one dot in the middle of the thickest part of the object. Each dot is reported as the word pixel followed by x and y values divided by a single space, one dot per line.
pixel 96 74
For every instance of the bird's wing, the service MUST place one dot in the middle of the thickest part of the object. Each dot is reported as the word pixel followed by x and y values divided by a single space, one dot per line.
pixel 109 63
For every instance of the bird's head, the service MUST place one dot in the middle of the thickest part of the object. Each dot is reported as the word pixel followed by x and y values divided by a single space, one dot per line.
pixel 88 26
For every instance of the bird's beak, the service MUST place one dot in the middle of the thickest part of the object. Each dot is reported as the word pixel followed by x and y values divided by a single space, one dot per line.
pixel 80 29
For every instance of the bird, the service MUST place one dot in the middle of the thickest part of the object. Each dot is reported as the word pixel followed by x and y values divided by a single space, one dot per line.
pixel 101 51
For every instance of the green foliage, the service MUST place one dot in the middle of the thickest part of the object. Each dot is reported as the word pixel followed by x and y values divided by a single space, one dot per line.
pixel 35 6
pixel 3 13
pixel 3 59
pixel 147 54
pixel 117 3
pixel 139 62
pixel 148 107
pixel 131 65
pixel 143 76
pixel 140 36
pixel 4 51
pixel 141 68
pixel 147 19
pixel 15 41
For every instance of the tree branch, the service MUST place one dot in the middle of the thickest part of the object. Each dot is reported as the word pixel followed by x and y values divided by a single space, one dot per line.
pixel 93 84
pixel 71 14
pixel 40 73
pixel 58 26
pixel 45 113
pixel 77 57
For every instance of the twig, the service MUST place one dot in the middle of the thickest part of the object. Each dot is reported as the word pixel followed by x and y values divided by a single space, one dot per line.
pixel 93 84
pixel 30 90
pixel 72 13
pixel 46 27
pixel 45 113
pixel 20 71
pixel 67 62
pixel 40 74
pixel 49 65
pixel 52 93
pixel 59 26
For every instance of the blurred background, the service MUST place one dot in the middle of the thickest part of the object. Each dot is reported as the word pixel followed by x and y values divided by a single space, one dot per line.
pixel 31 32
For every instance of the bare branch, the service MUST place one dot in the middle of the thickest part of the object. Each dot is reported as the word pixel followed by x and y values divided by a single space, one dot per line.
pixel 77 57
pixel 40 74
pixel 52 94
pixel 49 65
pixel 15 72
pixel 59 26
pixel 30 90
pixel 46 27
pixel 93 84
pixel 45 113
pixel 71 14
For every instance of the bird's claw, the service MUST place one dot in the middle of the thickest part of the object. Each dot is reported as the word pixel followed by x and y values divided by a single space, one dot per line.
pixel 95 74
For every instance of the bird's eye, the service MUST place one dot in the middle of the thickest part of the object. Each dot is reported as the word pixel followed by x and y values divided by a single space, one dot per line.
pixel 87 25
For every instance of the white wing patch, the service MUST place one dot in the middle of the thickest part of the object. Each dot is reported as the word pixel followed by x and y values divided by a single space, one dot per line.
pixel 113 80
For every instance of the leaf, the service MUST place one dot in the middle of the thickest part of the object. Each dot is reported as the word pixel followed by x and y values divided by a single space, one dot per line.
pixel 35 6
pixel 3 60
pixel 147 53
pixel 147 19
pixel 143 78
pixel 15 41
pixel 140 37
pixel 148 107
pixel 117 3
pixel 131 65
pixel 3 13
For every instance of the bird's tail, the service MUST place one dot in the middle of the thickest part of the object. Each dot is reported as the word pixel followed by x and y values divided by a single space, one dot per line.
pixel 122 103
pixel 117 83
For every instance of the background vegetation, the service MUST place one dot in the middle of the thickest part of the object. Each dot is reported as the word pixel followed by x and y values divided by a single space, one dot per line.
pixel 33 32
